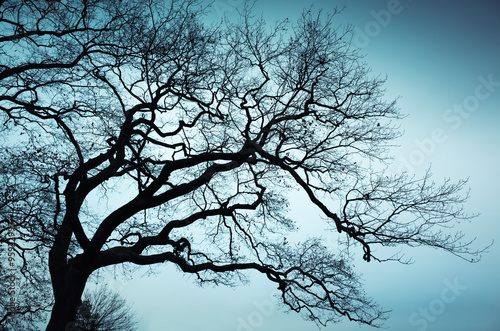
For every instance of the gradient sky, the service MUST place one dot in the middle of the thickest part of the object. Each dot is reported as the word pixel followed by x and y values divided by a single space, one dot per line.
pixel 437 56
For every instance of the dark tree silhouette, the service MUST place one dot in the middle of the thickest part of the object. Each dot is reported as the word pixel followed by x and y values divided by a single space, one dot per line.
pixel 134 132
pixel 103 310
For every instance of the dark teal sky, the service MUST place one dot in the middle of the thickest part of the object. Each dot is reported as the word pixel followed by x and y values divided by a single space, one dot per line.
pixel 442 59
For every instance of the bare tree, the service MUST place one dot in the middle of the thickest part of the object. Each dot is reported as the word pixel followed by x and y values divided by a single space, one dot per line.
pixel 103 310
pixel 136 133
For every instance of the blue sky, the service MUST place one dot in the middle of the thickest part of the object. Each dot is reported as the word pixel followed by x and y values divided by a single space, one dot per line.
pixel 442 59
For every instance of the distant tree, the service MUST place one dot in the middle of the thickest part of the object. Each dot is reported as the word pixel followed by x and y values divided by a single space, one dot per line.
pixel 103 310
pixel 135 133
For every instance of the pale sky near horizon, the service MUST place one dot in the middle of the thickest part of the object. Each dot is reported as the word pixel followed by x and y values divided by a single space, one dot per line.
pixel 442 59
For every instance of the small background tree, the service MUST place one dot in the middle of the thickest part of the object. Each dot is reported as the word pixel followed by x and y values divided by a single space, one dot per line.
pixel 104 310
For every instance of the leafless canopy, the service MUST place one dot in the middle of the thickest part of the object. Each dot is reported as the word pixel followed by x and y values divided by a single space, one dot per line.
pixel 134 131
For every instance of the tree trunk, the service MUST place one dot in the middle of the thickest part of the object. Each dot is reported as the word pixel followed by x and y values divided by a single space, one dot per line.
pixel 68 298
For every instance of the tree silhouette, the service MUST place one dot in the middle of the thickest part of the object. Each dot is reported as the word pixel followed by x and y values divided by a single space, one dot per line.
pixel 133 132
pixel 103 310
